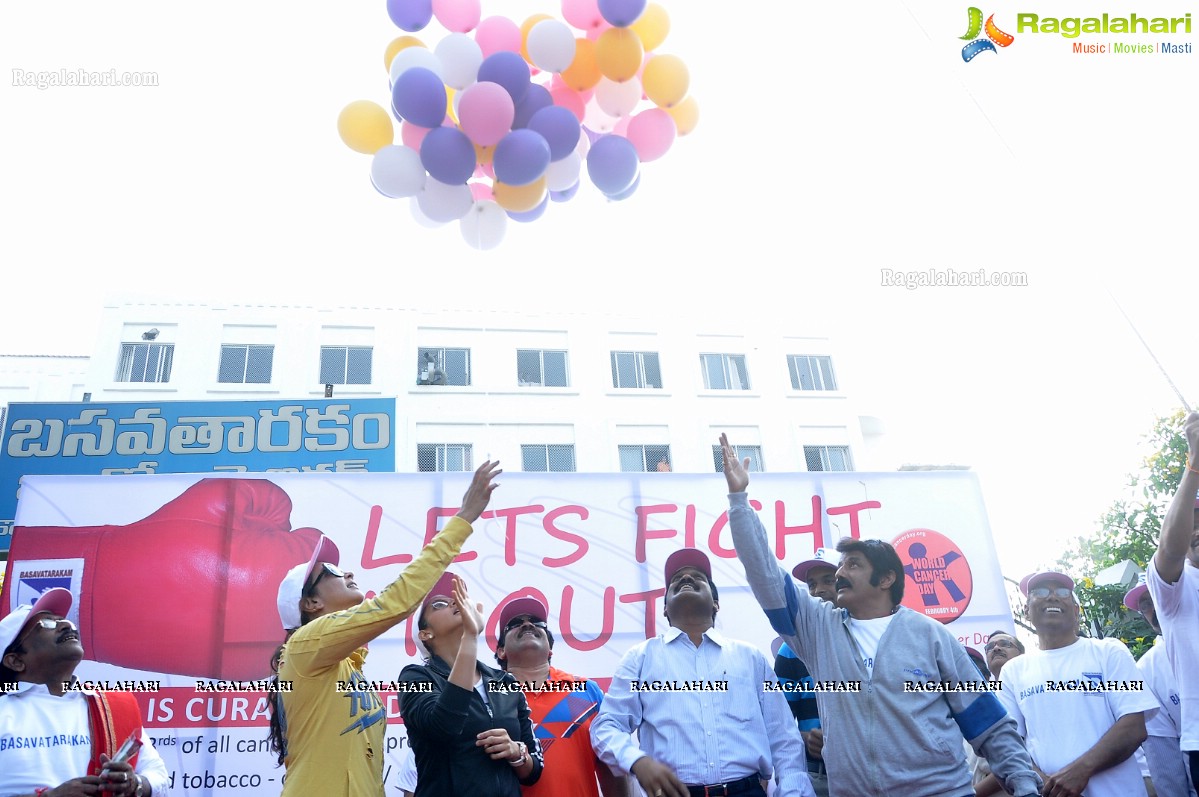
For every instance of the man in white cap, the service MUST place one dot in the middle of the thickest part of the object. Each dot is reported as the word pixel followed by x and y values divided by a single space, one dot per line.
pixel 56 738
pixel 1174 583
pixel 820 574
pixel 1079 702
pixel 705 725
pixel 1167 763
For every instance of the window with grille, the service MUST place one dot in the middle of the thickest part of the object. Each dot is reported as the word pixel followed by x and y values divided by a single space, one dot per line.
pixel 145 362
pixel 556 458
pixel 644 459
pixel 433 457
pixel 724 371
pixel 753 452
pixel 443 367
pixel 541 367
pixel 346 365
pixel 249 365
pixel 811 372
pixel 636 369
pixel 828 458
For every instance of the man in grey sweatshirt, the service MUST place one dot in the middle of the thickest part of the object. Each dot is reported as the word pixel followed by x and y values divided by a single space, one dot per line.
pixel 920 695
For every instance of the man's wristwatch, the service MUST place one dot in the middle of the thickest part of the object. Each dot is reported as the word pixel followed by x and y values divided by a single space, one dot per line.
pixel 520 759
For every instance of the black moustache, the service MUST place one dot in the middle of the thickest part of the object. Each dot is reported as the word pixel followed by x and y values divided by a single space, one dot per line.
pixel 843 582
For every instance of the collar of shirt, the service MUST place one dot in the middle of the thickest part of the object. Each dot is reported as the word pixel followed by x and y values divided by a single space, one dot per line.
pixel 672 633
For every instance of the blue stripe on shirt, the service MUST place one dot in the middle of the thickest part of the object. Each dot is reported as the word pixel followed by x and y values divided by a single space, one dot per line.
pixel 980 715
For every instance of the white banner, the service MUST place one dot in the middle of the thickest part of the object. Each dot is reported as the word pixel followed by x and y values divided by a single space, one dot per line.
pixel 175 576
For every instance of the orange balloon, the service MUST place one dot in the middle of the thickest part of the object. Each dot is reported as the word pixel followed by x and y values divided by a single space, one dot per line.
pixel 666 80
pixel 520 198
pixel 484 155
pixel 652 26
pixel 525 27
pixel 399 44
pixel 618 54
pixel 583 72
pixel 685 115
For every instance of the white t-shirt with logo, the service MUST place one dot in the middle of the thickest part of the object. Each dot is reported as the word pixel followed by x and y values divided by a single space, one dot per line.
pixel 867 633
pixel 1060 725
pixel 1177 607
pixel 1159 679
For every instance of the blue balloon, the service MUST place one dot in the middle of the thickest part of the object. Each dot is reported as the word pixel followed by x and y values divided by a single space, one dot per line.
pixel 621 13
pixel 509 70
pixel 612 164
pixel 536 98
pixel 560 128
pixel 410 15
pixel 418 96
pixel 448 155
pixel 628 192
pixel 529 215
pixel 565 196
pixel 521 157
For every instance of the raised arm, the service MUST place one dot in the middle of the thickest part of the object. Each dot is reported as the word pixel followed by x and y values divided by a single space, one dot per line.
pixel 1179 524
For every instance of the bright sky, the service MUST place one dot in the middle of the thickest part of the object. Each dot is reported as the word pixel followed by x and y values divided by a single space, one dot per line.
pixel 835 140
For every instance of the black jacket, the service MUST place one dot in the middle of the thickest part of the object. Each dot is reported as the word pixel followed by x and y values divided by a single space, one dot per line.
pixel 443 724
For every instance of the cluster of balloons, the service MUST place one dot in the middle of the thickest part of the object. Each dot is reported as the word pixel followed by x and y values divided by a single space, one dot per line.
pixel 500 118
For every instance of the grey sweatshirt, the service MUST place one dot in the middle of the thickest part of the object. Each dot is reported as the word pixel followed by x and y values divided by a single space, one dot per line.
pixel 884 741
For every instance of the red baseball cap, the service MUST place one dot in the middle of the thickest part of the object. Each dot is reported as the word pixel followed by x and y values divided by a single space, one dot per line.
pixel 522 606
pixel 1032 579
pixel 688 557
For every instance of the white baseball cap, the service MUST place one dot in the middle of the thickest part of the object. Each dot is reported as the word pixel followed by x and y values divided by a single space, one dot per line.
pixel 291 589
pixel 56 601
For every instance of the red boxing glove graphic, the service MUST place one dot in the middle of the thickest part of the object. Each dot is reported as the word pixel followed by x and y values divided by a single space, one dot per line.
pixel 189 590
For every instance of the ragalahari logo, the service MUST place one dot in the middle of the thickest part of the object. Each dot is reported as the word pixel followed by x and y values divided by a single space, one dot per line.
pixel 980 45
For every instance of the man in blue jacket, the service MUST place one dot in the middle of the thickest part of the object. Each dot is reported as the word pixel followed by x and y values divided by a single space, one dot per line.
pixel 919 696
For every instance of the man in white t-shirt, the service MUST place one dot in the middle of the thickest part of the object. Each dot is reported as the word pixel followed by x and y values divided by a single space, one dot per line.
pixel 1174 584
pixel 1167 764
pixel 1080 702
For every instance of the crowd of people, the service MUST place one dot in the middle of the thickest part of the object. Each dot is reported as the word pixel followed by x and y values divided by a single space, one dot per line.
pixel 687 712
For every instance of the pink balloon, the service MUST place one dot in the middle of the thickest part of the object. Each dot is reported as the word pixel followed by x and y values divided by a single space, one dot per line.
pixel 568 99
pixel 458 16
pixel 481 191
pixel 498 33
pixel 651 133
pixel 583 14
pixel 485 112
pixel 622 128
pixel 594 33
pixel 558 83
pixel 412 135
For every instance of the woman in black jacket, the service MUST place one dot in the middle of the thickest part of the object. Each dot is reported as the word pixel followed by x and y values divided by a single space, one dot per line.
pixel 468 723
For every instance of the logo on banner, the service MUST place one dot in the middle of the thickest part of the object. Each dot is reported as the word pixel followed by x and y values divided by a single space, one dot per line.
pixel 987 43
pixel 34 576
pixel 939 583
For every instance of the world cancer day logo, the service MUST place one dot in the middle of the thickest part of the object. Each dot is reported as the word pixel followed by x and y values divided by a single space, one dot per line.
pixel 939 583
pixel 981 45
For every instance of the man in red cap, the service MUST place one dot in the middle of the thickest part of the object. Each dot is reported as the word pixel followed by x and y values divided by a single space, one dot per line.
pixel 1167 764
pixel 561 706
pixel 705 724
pixel 1174 584
pixel 1079 702
pixel 56 738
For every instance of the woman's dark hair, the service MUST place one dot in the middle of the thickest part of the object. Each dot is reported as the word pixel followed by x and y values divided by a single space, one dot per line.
pixel 278 733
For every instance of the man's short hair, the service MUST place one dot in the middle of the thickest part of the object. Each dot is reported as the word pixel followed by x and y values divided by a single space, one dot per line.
pixel 882 557
pixel 1019 644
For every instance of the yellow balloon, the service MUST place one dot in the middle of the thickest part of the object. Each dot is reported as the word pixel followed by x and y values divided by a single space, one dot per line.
pixel 685 115
pixel 399 44
pixel 665 80
pixel 520 198
pixel 365 127
pixel 652 26
pixel 583 72
pixel 524 34
pixel 449 103
pixel 618 54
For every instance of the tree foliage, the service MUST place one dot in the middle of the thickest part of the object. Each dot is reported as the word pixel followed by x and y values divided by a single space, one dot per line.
pixel 1130 529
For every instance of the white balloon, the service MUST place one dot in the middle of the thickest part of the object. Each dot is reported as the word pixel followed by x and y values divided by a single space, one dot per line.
pixel 444 203
pixel 420 216
pixel 460 57
pixel 397 172
pixel 595 118
pixel 618 99
pixel 551 45
pixel 564 173
pixel 584 145
pixel 484 225
pixel 414 56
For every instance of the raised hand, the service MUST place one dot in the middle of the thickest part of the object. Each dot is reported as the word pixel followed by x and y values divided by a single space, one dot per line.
pixel 478 495
pixel 736 472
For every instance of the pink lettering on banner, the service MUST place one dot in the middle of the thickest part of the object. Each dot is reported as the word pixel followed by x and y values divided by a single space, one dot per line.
pixel 566 536
pixel 644 533
pixel 852 510
pixel 511 515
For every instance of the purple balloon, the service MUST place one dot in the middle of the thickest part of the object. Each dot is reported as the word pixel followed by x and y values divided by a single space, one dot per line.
pixel 621 13
pixel 521 157
pixel 536 98
pixel 447 155
pixel 612 164
pixel 560 127
pixel 509 70
pixel 410 15
pixel 592 136
pixel 530 215
pixel 565 196
pixel 628 192
pixel 419 97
